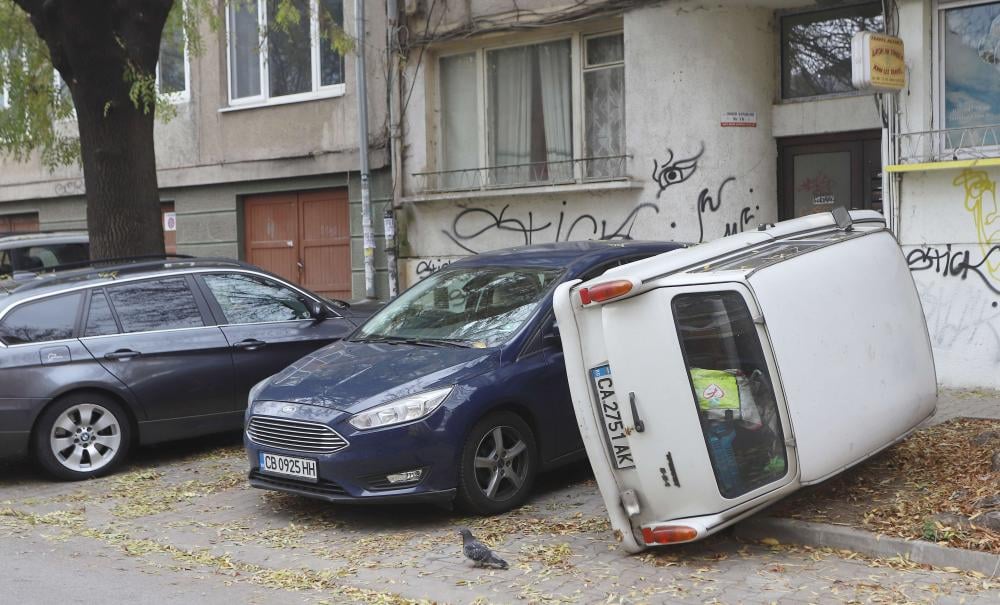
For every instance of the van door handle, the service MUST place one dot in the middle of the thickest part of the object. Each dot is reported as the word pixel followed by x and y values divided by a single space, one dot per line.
pixel 122 355
pixel 250 344
pixel 640 426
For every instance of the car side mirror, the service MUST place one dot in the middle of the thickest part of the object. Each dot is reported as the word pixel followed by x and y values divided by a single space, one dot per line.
pixel 552 338
pixel 318 310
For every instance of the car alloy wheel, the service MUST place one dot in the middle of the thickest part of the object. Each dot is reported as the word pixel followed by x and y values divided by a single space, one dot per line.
pixel 497 465
pixel 82 436
pixel 501 463
pixel 85 438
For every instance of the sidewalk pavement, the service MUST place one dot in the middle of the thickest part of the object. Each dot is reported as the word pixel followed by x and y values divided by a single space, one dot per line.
pixel 952 403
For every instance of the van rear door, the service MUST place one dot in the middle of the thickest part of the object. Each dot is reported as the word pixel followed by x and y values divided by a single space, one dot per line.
pixel 675 392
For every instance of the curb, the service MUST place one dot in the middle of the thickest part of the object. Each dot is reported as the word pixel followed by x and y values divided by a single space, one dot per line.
pixel 793 531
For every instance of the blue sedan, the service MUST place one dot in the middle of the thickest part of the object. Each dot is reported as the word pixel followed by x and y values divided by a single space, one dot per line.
pixel 456 390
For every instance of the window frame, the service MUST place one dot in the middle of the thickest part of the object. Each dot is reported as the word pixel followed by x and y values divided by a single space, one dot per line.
pixel 780 80
pixel 180 96
pixel 939 110
pixel 264 98
pixel 577 39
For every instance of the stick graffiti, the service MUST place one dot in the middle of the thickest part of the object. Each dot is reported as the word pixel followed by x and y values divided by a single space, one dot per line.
pixel 949 263
pixel 671 172
pixel 472 223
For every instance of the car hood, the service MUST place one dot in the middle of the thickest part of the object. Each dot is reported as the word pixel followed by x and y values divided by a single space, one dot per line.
pixel 352 376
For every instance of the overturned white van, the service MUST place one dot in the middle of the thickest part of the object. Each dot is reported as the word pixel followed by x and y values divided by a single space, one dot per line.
pixel 709 382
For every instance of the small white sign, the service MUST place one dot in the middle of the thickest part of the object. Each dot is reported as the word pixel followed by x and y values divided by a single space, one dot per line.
pixel 738 119
pixel 170 221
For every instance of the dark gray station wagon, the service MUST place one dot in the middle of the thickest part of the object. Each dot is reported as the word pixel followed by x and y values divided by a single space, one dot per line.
pixel 96 360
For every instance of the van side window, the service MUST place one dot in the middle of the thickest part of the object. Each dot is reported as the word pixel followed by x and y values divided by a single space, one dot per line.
pixel 42 320
pixel 732 390
pixel 161 304
pixel 100 321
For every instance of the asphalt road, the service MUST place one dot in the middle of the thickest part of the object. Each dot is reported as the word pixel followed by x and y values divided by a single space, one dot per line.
pixel 181 525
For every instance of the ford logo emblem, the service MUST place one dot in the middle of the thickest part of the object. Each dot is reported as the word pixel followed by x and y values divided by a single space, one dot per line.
pixel 288 409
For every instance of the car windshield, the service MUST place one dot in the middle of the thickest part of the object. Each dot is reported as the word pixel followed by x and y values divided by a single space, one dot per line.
pixel 468 306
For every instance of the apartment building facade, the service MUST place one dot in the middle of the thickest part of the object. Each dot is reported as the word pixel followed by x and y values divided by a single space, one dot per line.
pixel 260 161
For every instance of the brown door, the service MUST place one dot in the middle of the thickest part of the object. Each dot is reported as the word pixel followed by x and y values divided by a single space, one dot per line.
pixel 19 223
pixel 817 174
pixel 169 227
pixel 303 237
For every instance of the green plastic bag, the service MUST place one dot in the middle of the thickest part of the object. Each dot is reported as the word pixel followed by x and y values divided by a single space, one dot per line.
pixel 717 390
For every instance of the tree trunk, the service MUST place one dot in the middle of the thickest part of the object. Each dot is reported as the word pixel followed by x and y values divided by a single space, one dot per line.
pixel 94 44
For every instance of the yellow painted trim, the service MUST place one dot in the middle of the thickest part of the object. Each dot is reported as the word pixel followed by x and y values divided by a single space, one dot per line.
pixel 946 165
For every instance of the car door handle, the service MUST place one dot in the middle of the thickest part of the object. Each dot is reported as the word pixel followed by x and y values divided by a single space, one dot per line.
pixel 250 344
pixel 122 355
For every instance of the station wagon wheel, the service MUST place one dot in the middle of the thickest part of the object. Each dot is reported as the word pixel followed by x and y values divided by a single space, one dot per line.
pixel 498 464
pixel 82 436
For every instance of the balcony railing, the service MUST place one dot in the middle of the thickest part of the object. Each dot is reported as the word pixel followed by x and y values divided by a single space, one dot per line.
pixel 534 174
pixel 949 144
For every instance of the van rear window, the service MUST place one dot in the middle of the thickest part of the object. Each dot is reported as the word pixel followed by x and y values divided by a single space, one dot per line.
pixel 732 390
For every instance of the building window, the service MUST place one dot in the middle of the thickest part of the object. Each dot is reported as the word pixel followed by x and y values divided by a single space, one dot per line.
pixel 970 53
pixel 816 49
pixel 272 57
pixel 526 131
pixel 172 72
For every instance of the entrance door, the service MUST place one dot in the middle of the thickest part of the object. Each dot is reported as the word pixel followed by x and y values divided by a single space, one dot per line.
pixel 19 223
pixel 817 174
pixel 304 237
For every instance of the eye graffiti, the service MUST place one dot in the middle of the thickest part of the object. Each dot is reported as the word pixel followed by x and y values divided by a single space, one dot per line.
pixel 672 172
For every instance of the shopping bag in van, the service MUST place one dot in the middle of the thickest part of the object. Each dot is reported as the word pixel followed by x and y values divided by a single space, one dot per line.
pixel 719 391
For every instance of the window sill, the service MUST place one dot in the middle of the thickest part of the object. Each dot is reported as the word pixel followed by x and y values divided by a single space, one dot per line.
pixel 827 97
pixel 944 165
pixel 329 93
pixel 594 186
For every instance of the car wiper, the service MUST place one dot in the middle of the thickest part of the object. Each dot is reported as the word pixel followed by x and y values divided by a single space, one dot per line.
pixel 445 342
pixel 412 340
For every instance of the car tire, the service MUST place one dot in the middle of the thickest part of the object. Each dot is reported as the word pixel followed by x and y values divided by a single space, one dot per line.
pixel 82 436
pixel 493 480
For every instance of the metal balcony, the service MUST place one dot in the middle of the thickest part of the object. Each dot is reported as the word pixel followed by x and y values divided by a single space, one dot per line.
pixel 534 174
pixel 949 145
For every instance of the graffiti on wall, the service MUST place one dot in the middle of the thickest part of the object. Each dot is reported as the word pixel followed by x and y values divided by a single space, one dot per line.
pixel 672 172
pixel 472 223
pixel 946 262
pixel 477 228
pixel 427 266
pixel 981 200
pixel 707 204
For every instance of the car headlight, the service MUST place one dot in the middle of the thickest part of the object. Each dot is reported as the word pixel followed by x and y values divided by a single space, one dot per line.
pixel 402 410
pixel 255 390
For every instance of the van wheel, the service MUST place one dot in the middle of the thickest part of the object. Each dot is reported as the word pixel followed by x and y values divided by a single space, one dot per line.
pixel 498 464
pixel 82 436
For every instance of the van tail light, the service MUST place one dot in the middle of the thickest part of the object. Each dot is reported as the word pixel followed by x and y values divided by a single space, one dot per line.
pixel 606 291
pixel 668 534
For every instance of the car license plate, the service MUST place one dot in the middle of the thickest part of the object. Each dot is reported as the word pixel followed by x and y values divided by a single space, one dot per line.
pixel 287 466
pixel 611 413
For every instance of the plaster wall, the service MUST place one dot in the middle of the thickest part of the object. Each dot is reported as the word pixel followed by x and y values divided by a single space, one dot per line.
pixel 690 179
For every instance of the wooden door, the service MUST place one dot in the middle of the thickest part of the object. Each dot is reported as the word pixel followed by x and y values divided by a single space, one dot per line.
pixel 303 237
pixel 19 223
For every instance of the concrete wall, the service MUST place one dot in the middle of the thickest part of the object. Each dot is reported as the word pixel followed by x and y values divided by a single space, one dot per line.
pixel 945 230
pixel 685 66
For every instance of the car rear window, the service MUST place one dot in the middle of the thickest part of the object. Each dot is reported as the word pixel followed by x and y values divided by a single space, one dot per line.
pixel 41 320
pixel 162 304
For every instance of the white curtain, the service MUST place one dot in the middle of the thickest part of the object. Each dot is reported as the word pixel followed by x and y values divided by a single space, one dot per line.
pixel 554 69
pixel 510 113
pixel 460 134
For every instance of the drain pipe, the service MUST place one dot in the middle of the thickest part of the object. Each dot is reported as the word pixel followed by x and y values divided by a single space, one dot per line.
pixel 366 200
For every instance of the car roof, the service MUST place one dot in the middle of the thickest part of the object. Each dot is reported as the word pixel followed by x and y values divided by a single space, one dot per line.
pixel 17 240
pixel 104 272
pixel 573 255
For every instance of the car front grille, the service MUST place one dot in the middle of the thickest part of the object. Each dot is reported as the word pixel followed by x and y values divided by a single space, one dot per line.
pixel 294 435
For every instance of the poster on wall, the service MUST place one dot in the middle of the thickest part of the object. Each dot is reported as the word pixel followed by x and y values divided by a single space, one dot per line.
pixel 170 221
pixel 738 119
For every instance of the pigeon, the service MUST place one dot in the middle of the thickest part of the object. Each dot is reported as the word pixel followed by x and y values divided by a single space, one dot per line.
pixel 479 553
